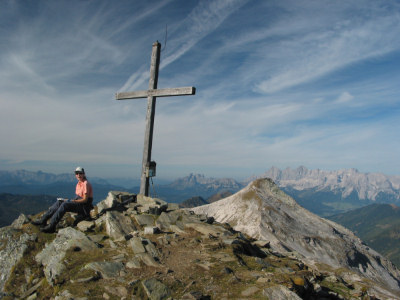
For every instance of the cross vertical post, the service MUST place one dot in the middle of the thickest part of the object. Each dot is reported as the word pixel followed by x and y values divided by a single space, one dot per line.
pixel 151 95
pixel 151 109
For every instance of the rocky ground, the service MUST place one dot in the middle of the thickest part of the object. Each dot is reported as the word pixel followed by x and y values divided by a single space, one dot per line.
pixel 137 247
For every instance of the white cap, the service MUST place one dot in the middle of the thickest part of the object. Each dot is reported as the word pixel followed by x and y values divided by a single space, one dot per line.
pixel 79 169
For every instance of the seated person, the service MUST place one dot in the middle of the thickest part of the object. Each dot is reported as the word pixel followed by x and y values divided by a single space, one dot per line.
pixel 81 204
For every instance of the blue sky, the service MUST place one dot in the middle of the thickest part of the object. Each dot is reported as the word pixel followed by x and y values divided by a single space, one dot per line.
pixel 279 83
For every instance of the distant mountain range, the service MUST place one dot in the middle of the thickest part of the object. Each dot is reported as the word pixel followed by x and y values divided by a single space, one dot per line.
pixel 24 182
pixel 198 201
pixel 196 185
pixel 330 192
pixel 366 186
pixel 322 192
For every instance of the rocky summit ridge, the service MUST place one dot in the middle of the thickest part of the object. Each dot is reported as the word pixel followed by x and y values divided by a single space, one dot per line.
pixel 136 247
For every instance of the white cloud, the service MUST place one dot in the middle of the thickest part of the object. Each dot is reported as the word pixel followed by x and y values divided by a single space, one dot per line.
pixel 345 97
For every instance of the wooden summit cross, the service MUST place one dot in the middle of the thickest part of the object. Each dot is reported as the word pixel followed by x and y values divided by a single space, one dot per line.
pixel 151 95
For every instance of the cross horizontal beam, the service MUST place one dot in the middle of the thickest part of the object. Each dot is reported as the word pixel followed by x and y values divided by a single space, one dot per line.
pixel 156 93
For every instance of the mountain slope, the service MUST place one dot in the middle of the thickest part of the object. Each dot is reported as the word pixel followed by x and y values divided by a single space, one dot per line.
pixel 378 225
pixel 11 206
pixel 263 211
pixel 120 255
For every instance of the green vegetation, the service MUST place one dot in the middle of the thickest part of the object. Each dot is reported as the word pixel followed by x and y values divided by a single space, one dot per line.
pixel 11 206
pixel 325 203
pixel 378 225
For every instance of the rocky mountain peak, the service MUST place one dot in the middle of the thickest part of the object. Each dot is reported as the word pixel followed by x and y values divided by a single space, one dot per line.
pixel 136 247
pixel 264 212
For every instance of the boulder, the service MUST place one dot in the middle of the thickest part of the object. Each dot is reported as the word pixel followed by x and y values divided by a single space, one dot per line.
pixel 151 205
pixel 118 225
pixel 51 257
pixel 280 292
pixel 115 199
pixel 206 229
pixel 20 221
pixel 144 220
pixel 12 247
pixel 147 259
pixel 85 225
pixel 155 289
pixel 108 270
pixel 150 230
pixel 137 245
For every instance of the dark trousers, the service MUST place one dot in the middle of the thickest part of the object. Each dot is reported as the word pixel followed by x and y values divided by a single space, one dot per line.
pixel 59 208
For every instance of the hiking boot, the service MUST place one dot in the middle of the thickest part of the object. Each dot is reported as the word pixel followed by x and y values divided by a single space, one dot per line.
pixel 48 229
pixel 38 222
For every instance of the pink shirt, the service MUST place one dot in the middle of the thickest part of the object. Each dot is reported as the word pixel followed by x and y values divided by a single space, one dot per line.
pixel 83 188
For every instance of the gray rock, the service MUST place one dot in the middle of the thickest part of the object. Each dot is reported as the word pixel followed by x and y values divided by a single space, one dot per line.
pixel 137 245
pixel 150 248
pixel 147 259
pixel 32 290
pixel 262 244
pixel 119 257
pixel 206 229
pixel 134 263
pixel 119 291
pixel 108 270
pixel 52 255
pixel 151 230
pixel 172 206
pixel 118 225
pixel 151 205
pixel 20 221
pixel 144 200
pixel 97 238
pixel 175 220
pixel 66 295
pixel 165 220
pixel 195 295
pixel 12 247
pixel 32 297
pixel 144 220
pixel 85 225
pixel 280 292
pixel 114 199
pixel 155 289
pixel 250 291
pixel 176 229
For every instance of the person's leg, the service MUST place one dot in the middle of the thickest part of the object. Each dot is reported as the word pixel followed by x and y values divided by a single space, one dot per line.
pixel 59 213
pixel 48 214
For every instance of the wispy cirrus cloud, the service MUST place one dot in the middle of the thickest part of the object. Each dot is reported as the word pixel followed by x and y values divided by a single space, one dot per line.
pixel 278 83
pixel 317 53
pixel 203 20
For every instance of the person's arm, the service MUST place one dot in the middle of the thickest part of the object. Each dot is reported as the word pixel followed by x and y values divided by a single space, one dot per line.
pixel 81 200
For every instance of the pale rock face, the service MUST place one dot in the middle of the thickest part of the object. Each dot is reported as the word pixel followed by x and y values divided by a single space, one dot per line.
pixel 264 212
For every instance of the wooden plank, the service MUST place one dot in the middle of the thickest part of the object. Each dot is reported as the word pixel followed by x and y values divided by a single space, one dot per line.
pixel 156 93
